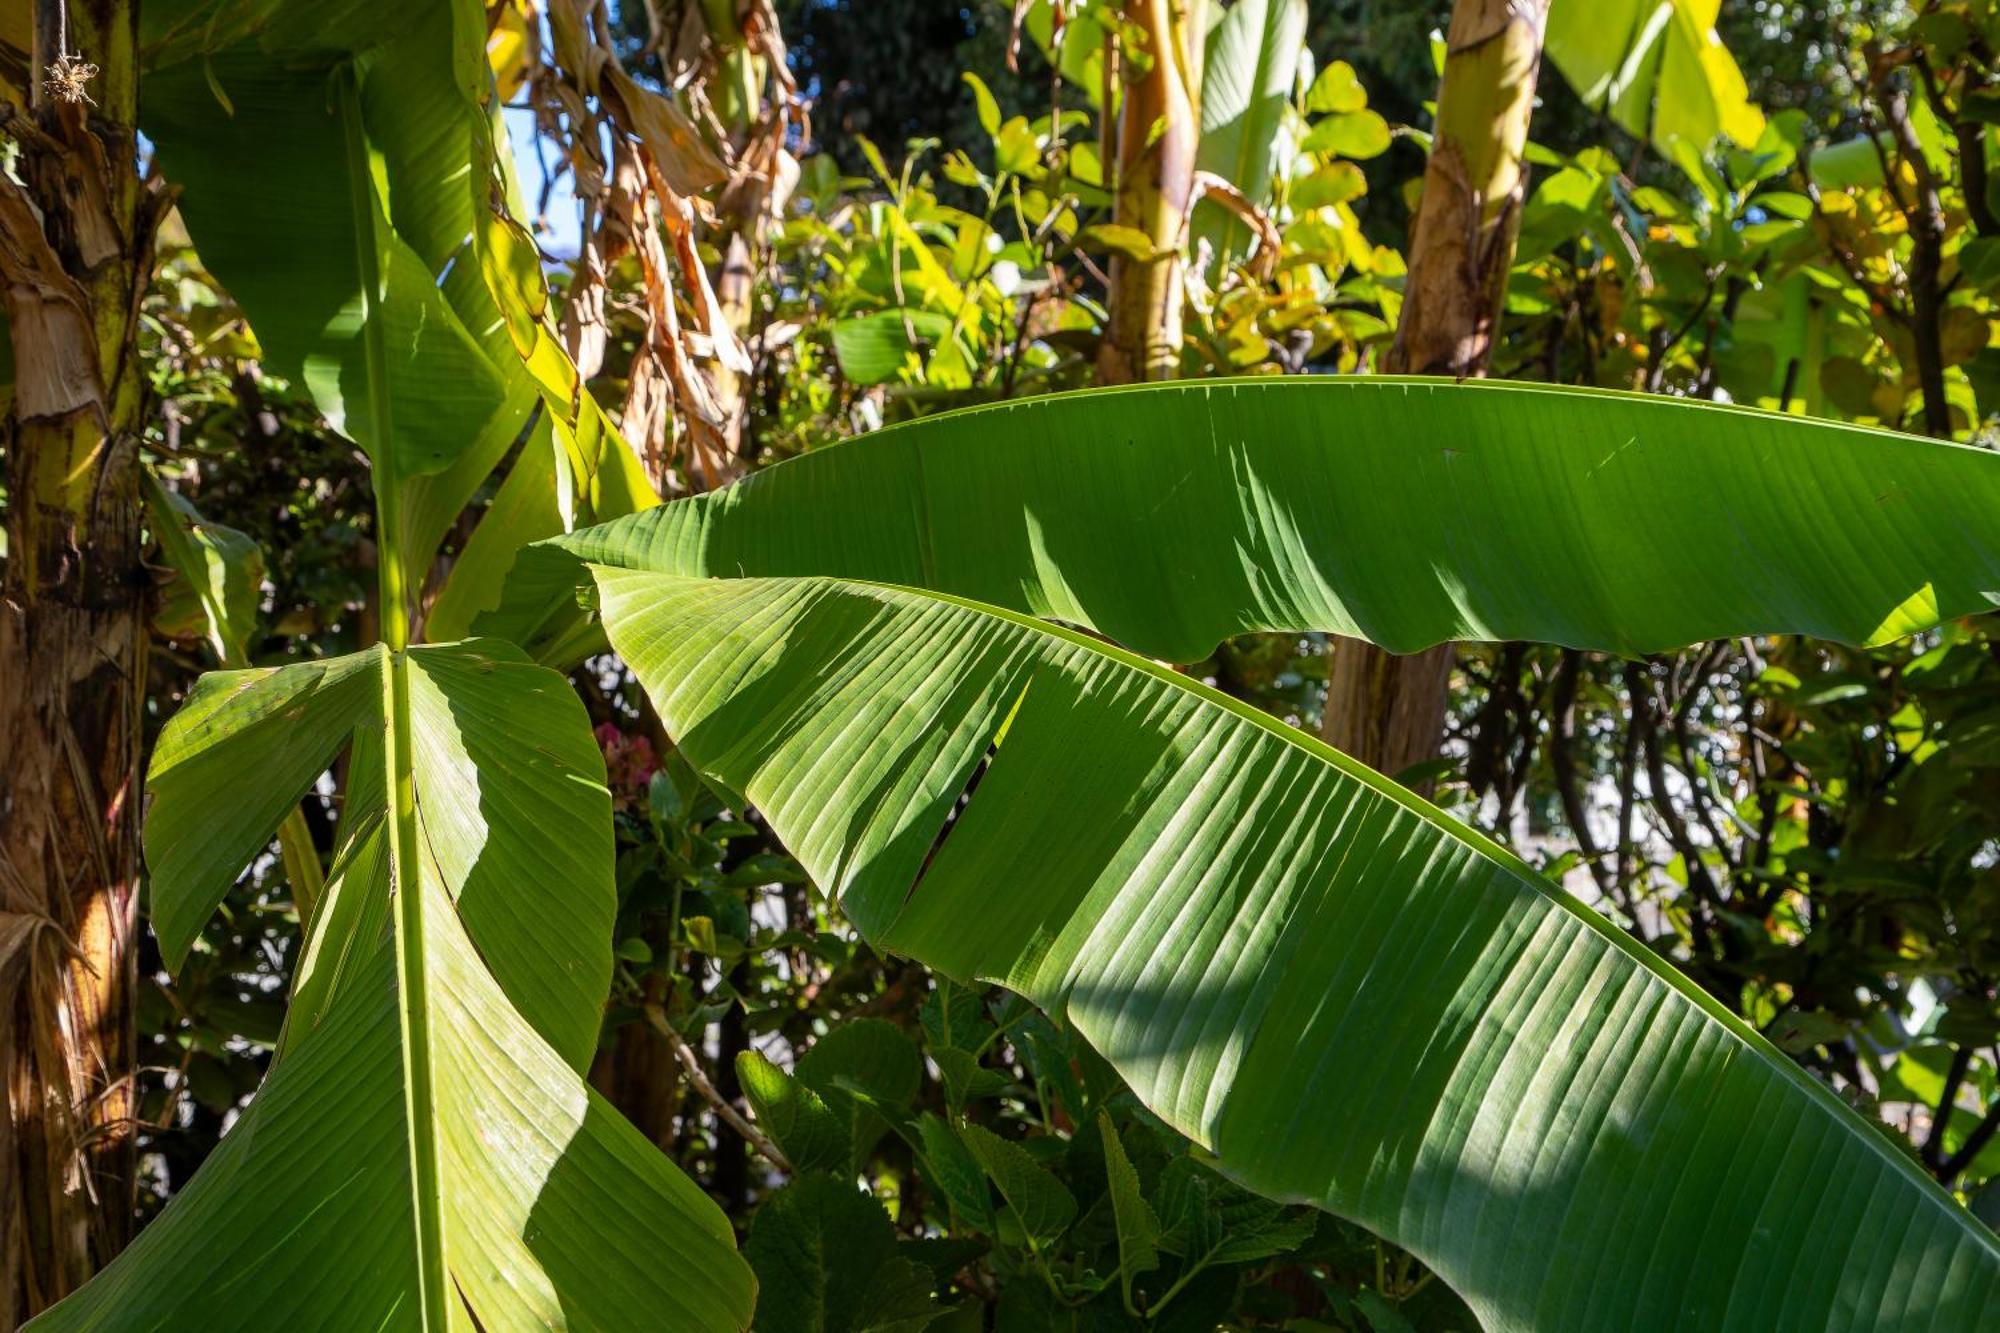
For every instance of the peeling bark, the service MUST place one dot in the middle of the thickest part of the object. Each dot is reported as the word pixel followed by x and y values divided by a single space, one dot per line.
pixel 75 251
pixel 1385 710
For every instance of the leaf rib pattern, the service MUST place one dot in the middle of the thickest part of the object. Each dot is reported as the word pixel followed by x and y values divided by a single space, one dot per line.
pixel 554 1212
pixel 1404 511
pixel 1348 997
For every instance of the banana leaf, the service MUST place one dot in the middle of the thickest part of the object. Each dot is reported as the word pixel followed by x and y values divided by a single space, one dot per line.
pixel 1348 997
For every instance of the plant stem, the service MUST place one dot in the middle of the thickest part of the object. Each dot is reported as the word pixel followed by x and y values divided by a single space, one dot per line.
pixel 657 1018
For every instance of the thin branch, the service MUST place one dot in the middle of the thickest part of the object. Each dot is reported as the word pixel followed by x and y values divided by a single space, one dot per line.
pixel 1562 763
pixel 691 1062
pixel 1974 1144
pixel 1932 1151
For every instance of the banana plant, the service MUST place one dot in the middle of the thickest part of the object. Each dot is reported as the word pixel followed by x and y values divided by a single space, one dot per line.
pixel 425 1152
pixel 899 650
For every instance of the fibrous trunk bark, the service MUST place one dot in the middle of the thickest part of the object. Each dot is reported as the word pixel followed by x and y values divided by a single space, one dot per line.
pixel 1385 710
pixel 75 245
pixel 1158 131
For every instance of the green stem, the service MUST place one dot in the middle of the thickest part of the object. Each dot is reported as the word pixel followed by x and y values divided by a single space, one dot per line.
pixel 394 598
pixel 1189 1274
pixel 301 860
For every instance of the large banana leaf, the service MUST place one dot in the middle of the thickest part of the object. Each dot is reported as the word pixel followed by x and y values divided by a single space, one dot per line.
pixel 344 164
pixel 1404 511
pixel 539 1204
pixel 1348 997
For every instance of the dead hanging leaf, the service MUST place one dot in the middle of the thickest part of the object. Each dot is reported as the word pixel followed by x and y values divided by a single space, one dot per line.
pixel 765 172
pixel 585 163
pixel 1058 16
pixel 585 326
pixel 665 359
pixel 66 79
pixel 1208 185
pixel 677 216
pixel 759 21
pixel 576 52
pixel 672 140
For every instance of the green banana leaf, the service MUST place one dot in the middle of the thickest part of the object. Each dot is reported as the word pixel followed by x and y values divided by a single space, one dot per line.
pixel 1404 511
pixel 340 168
pixel 218 574
pixel 1251 62
pixel 543 1206
pixel 1348 997
pixel 425 1153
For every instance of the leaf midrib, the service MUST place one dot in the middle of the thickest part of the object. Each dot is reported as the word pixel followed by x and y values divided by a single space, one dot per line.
pixel 412 996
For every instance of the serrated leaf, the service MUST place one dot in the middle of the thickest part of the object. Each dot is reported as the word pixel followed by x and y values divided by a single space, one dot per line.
pixel 805 1128
pixel 826 1260
pixel 1138 1228
pixel 1042 1204
pixel 957 1173
pixel 870 1056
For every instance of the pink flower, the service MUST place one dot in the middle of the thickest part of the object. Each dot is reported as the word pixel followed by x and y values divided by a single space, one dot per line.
pixel 629 764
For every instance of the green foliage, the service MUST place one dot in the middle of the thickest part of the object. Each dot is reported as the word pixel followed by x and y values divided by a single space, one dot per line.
pixel 1804 830
pixel 1064 1224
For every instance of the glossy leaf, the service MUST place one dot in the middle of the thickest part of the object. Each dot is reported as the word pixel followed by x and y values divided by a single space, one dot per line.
pixel 370 251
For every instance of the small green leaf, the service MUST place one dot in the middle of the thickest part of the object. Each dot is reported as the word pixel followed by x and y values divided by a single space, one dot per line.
pixel 873 349
pixel 1334 183
pixel 964 1076
pixel 954 1016
pixel 1336 89
pixel 1016 150
pixel 956 1172
pixel 805 1128
pixel 1138 1229
pixel 1352 134
pixel 1120 239
pixel 1043 1204
pixel 982 97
